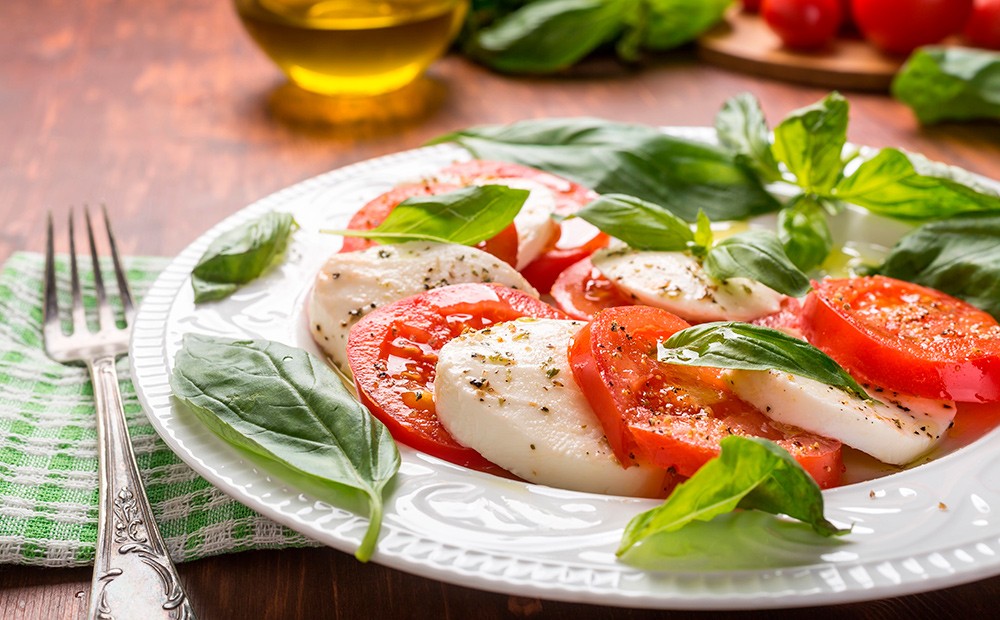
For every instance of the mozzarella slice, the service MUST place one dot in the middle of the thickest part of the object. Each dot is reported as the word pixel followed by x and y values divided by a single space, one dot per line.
pixel 895 430
pixel 352 284
pixel 677 282
pixel 508 392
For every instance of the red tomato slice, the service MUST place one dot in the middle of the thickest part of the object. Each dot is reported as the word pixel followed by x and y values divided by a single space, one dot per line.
pixel 673 416
pixel 373 213
pixel 788 318
pixel 577 239
pixel 394 349
pixel 906 337
pixel 581 291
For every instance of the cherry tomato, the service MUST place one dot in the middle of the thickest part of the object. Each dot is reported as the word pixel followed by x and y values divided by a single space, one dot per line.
pixel 751 6
pixel 673 416
pixel 581 291
pixel 503 245
pixel 393 351
pixel 906 337
pixel 576 240
pixel 983 27
pixel 803 24
pixel 901 26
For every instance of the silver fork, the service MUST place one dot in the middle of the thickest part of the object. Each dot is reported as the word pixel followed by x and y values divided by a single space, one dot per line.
pixel 133 574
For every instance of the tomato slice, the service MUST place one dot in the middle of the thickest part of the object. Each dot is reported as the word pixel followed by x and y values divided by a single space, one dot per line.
pixel 581 291
pixel 906 337
pixel 673 416
pixel 394 349
pixel 788 318
pixel 577 238
pixel 503 245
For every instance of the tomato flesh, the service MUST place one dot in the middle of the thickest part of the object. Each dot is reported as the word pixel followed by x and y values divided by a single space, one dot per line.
pixel 670 415
pixel 907 337
pixel 581 291
pixel 393 353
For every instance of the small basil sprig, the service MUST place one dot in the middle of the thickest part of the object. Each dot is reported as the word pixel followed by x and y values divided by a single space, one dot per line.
pixel 804 232
pixel 949 83
pixel 741 127
pixel 285 405
pixel 751 347
pixel 960 256
pixel 465 216
pixel 809 141
pixel 241 255
pixel 685 176
pixel 750 473
pixel 754 254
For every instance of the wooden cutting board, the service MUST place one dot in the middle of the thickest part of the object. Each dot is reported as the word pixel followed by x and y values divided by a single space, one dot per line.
pixel 743 42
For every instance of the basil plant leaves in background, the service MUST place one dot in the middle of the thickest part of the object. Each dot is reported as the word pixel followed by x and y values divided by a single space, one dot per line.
pixel 546 36
pixel 950 84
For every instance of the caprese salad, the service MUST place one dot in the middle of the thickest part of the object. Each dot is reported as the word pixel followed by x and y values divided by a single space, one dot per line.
pixel 539 352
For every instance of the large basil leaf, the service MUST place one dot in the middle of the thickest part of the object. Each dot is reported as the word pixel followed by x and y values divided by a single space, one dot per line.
pixel 642 225
pixel 465 216
pixel 750 473
pixel 547 35
pixel 751 347
pixel 285 405
pixel 891 184
pixel 804 232
pixel 684 176
pixel 950 83
pixel 741 128
pixel 960 256
pixel 241 255
pixel 810 142
pixel 758 255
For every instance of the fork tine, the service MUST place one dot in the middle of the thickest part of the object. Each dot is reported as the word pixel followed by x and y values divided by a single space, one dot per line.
pixel 123 288
pixel 79 317
pixel 50 314
pixel 105 318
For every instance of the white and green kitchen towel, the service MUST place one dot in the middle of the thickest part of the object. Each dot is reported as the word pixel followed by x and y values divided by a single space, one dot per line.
pixel 48 450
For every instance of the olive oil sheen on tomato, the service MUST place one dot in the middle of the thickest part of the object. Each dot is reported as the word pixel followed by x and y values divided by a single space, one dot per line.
pixel 352 47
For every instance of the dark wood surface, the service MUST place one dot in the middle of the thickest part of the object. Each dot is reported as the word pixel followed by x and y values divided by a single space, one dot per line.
pixel 164 111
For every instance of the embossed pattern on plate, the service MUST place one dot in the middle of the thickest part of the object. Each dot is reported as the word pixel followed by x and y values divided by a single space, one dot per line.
pixel 925 528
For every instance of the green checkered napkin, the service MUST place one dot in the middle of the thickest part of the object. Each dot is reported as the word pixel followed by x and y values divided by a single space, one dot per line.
pixel 48 453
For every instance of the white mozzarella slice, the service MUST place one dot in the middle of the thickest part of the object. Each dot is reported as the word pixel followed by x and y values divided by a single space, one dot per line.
pixel 508 392
pixel 352 284
pixel 896 430
pixel 677 282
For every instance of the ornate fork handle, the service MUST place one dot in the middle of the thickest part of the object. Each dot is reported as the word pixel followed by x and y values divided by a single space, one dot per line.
pixel 133 574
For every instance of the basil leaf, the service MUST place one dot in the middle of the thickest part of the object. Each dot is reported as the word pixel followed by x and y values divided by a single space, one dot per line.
pixel 891 184
pixel 547 35
pixel 285 405
pixel 675 22
pixel 950 83
pixel 465 216
pixel 619 158
pixel 749 473
pixel 241 255
pixel 758 255
pixel 703 236
pixel 642 225
pixel 810 142
pixel 804 232
pixel 960 256
pixel 751 347
pixel 741 128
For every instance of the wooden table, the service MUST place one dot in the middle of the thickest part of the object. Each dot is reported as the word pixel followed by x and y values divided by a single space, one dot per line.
pixel 164 111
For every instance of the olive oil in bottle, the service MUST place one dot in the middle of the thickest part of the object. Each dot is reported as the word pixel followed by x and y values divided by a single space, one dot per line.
pixel 352 47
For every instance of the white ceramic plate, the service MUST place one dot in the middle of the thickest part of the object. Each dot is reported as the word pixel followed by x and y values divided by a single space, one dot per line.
pixel 929 527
